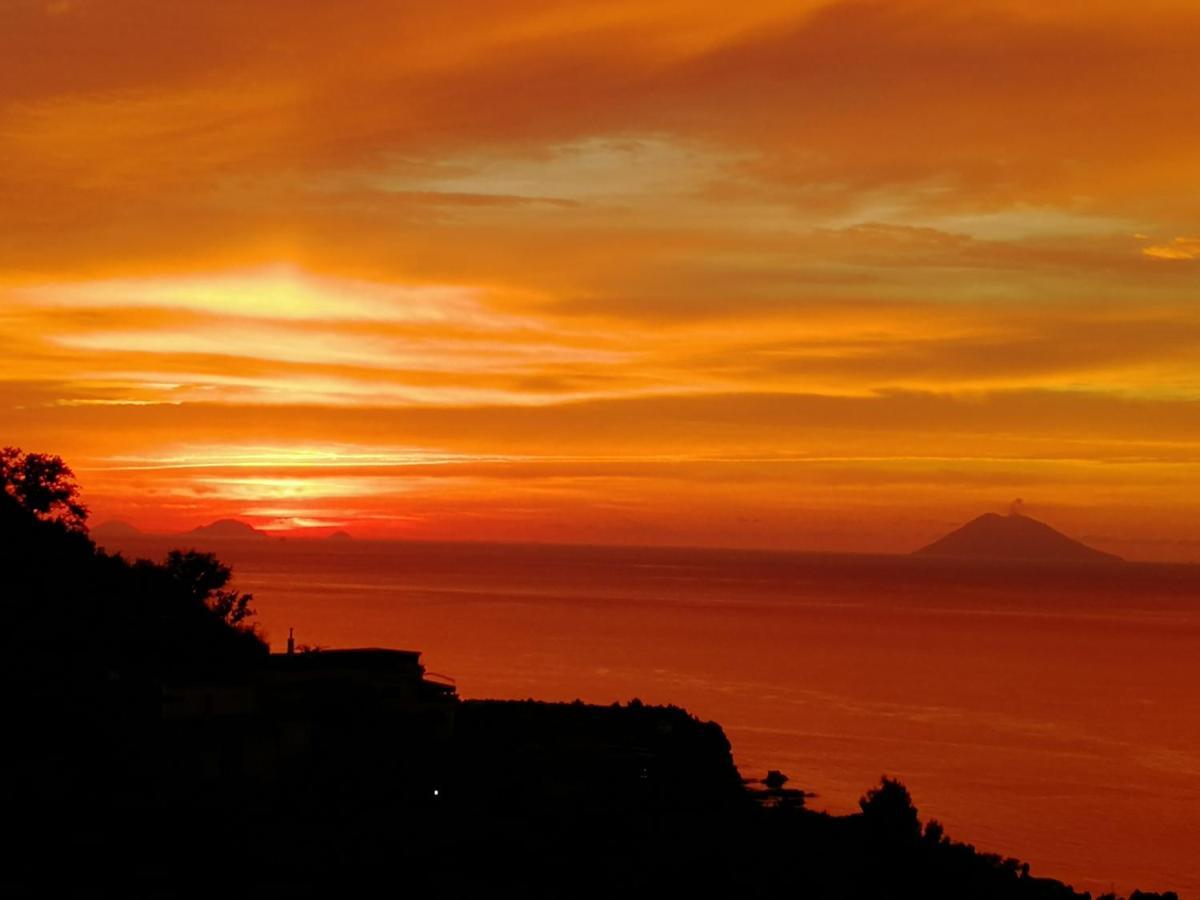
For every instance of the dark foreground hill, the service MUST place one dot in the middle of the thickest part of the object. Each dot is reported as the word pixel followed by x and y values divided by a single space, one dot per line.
pixel 1013 537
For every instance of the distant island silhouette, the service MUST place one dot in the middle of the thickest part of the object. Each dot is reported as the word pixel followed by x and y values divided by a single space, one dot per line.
pixel 228 530
pixel 115 530
pixel 1014 537
pixel 340 536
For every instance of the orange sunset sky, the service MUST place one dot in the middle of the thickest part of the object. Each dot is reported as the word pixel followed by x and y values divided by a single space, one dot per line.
pixel 825 275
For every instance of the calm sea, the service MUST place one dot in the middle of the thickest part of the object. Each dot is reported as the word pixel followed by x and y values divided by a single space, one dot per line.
pixel 1047 713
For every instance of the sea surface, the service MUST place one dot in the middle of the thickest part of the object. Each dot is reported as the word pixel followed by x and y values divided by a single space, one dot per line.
pixel 1048 713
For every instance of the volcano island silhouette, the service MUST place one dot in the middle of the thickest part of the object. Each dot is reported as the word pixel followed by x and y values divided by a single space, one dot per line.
pixel 1013 537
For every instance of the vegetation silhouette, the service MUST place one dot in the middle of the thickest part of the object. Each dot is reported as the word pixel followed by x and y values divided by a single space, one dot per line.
pixel 204 577
pixel 42 485
pixel 154 747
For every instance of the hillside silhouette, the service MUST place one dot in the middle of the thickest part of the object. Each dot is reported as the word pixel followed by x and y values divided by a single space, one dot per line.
pixel 1013 537
pixel 153 747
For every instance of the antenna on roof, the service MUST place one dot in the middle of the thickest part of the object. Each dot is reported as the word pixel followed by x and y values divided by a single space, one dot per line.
pixel 291 643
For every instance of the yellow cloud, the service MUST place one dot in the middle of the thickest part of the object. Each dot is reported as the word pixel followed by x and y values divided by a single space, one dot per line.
pixel 1179 248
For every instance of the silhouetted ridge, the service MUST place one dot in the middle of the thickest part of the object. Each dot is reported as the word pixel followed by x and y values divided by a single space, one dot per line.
pixel 1013 537
pixel 228 530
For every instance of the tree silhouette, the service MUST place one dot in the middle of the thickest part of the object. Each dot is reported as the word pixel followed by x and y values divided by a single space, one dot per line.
pixel 43 485
pixel 203 578
pixel 889 811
